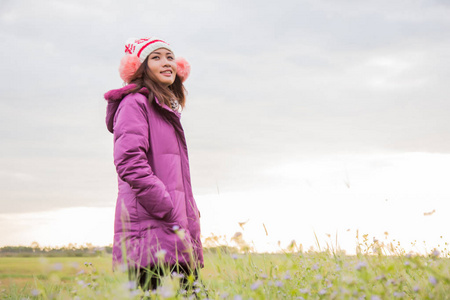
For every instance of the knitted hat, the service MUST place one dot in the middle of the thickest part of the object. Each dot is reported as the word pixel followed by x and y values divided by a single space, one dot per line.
pixel 137 50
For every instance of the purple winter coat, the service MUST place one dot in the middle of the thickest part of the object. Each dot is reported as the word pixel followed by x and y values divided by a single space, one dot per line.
pixel 156 212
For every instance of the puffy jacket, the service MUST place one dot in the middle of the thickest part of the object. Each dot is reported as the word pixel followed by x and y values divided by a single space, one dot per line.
pixel 156 217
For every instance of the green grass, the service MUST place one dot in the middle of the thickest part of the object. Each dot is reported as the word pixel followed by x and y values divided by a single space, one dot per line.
pixel 296 275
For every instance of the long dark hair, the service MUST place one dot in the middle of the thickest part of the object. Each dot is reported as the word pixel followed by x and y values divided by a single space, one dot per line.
pixel 143 77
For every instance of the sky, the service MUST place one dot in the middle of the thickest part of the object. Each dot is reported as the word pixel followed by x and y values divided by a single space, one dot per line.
pixel 303 118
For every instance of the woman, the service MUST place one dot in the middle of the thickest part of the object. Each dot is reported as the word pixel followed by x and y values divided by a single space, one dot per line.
pixel 157 223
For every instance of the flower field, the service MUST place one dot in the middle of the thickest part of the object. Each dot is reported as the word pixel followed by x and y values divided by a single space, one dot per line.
pixel 376 272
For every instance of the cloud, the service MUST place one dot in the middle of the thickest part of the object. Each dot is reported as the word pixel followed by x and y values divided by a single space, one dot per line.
pixel 270 80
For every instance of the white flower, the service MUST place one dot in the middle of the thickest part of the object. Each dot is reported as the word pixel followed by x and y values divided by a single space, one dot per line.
pixel 161 254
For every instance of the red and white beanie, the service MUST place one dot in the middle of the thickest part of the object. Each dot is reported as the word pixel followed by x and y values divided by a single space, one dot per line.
pixel 137 50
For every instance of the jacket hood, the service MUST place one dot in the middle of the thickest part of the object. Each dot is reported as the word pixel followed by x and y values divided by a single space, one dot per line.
pixel 113 97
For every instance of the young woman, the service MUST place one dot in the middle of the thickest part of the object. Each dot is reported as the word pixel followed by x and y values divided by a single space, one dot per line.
pixel 157 227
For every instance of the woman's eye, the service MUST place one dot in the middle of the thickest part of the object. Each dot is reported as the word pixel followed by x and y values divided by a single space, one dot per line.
pixel 155 57
pixel 170 57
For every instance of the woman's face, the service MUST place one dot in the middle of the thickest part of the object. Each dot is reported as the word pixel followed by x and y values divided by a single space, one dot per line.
pixel 161 63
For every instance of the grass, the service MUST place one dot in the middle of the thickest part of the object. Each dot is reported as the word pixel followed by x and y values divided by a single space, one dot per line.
pixel 294 274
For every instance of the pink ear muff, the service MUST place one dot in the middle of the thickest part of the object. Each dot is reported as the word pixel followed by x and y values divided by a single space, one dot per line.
pixel 128 66
pixel 183 68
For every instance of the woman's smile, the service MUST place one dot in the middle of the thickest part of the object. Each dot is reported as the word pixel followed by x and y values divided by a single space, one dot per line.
pixel 167 73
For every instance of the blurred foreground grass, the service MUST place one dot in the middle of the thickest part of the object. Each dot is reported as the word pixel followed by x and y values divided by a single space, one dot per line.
pixel 293 275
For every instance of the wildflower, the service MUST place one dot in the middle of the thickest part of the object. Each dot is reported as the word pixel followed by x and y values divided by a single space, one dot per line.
pixel 256 285
pixel 315 266
pixel 278 283
pixel 322 292
pixel 129 285
pixel 432 280
pixel 263 276
pixel 399 294
pixel 380 277
pixel 287 276
pixel 35 292
pixel 57 267
pixel 304 291
pixel 300 298
pixel 177 275
pixel 175 227
pixel 80 272
pixel 360 265
pixel 375 297
pixel 436 253
pixel 134 293
pixel 224 295
pixel 238 297
pixel 234 256
pixel 161 254
pixel 391 282
pixel 166 291
pixel 319 277
pixel 416 289
pixel 123 268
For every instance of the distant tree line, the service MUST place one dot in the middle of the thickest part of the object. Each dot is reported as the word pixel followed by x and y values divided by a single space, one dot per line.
pixel 88 250
pixel 70 250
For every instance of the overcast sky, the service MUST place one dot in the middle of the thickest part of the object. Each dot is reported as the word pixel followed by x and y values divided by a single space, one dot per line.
pixel 274 85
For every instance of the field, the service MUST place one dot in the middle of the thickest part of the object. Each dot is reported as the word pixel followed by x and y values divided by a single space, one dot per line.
pixel 290 275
